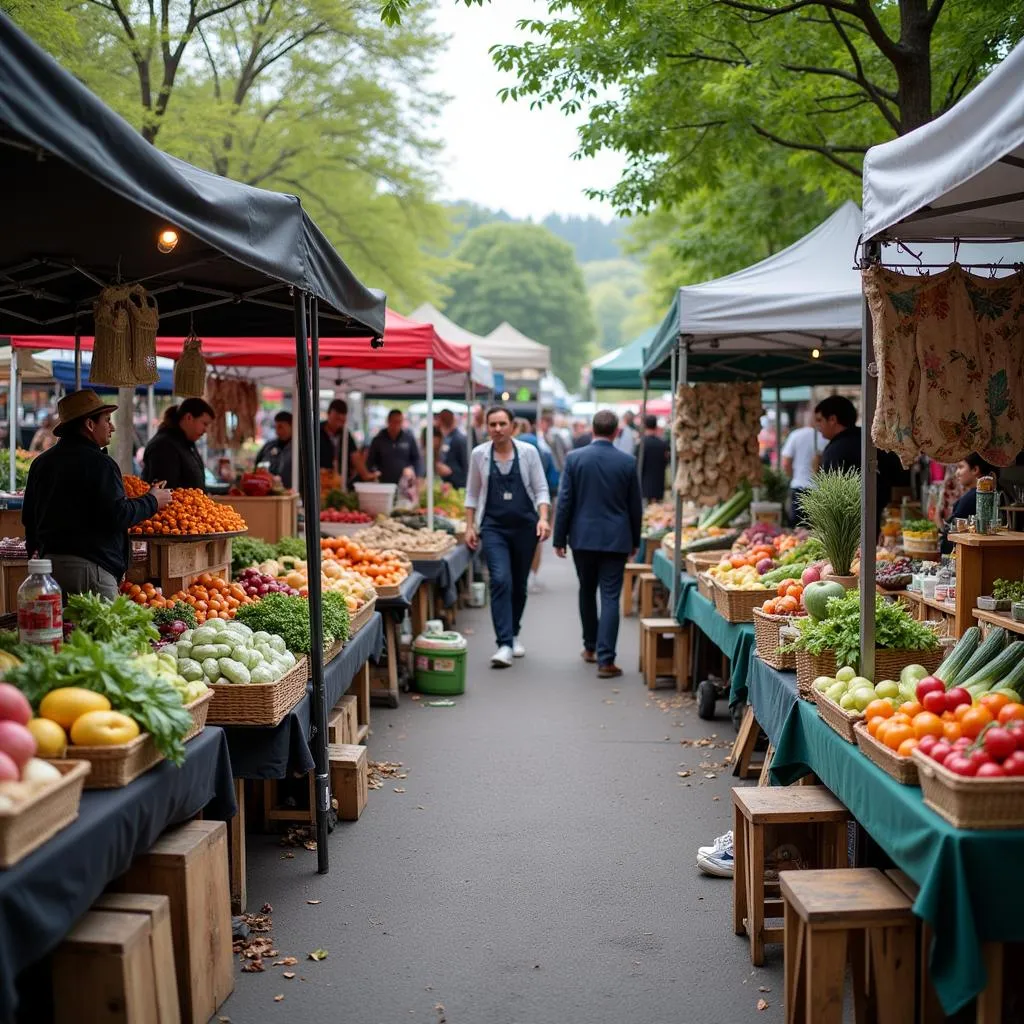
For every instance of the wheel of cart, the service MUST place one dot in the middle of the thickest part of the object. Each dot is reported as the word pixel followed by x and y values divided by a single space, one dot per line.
pixel 709 692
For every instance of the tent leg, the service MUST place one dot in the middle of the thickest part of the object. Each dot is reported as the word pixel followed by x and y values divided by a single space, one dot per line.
pixel 314 378
pixel 678 517
pixel 643 427
pixel 778 429
pixel 311 489
pixel 12 420
pixel 428 454
pixel 150 412
pixel 677 557
pixel 868 490
pixel 78 356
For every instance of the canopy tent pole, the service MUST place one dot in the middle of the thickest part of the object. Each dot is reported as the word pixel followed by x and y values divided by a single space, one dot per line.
pixel 314 382
pixel 868 485
pixel 78 355
pixel 428 445
pixel 12 419
pixel 677 559
pixel 311 487
pixel 298 474
pixel 778 429
pixel 643 427
pixel 150 412
pixel 125 429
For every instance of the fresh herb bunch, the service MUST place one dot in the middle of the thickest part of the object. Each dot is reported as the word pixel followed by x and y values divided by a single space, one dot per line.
pixel 774 485
pixel 178 612
pixel 920 526
pixel 109 668
pixel 339 499
pixel 1008 590
pixel 288 617
pixel 832 507
pixel 291 547
pixel 107 620
pixel 895 629
pixel 246 551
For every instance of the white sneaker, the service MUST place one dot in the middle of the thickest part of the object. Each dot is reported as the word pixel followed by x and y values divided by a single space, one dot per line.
pixel 533 584
pixel 720 863
pixel 723 842
pixel 518 650
pixel 502 657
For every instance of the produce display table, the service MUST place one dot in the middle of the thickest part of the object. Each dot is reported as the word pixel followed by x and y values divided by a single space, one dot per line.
pixel 43 895
pixel 445 572
pixel 953 867
pixel 384 683
pixel 734 639
pixel 273 752
pixel 269 518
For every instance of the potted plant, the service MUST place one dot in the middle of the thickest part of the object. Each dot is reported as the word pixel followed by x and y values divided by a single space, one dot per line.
pixel 920 536
pixel 832 507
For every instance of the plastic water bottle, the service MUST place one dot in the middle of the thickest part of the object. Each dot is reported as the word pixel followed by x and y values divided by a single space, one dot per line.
pixel 40 608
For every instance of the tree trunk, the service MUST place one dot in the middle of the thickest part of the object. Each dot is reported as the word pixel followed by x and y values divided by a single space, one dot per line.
pixel 913 66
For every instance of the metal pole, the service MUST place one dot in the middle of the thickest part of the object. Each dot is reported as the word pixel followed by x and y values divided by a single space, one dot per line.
pixel 298 474
pixel 677 560
pixel 643 429
pixel 672 411
pixel 314 379
pixel 12 419
pixel 78 356
pixel 150 411
pixel 778 429
pixel 428 454
pixel 678 501
pixel 311 482
pixel 868 485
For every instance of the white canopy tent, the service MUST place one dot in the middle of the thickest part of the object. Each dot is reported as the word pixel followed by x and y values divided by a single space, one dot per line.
pixel 513 352
pixel 449 329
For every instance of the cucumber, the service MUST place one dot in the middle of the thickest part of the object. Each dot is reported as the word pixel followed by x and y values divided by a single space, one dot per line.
pixel 724 541
pixel 984 653
pixel 1013 681
pixel 959 656
pixel 999 668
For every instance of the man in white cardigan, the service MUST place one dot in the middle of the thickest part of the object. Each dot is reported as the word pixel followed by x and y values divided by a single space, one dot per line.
pixel 508 509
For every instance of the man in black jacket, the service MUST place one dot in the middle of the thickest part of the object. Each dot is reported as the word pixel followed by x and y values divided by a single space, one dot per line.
pixel 454 456
pixel 172 455
pixel 76 512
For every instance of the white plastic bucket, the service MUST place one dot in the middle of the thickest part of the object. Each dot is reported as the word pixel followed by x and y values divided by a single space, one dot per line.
pixel 477 594
pixel 376 499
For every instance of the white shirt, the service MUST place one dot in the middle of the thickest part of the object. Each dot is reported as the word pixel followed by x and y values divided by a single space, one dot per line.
pixel 802 445
pixel 626 441
pixel 530 468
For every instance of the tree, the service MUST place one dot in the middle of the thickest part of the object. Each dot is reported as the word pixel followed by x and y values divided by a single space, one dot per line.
pixel 616 290
pixel 523 274
pixel 311 97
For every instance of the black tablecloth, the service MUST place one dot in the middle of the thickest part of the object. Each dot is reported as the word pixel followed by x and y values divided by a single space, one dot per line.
pixel 446 571
pixel 42 896
pixel 403 602
pixel 262 752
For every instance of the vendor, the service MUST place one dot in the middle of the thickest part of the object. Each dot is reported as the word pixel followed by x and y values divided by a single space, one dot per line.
pixel 277 454
pixel 332 432
pixel 453 466
pixel 172 455
pixel 75 512
pixel 968 472
pixel 394 454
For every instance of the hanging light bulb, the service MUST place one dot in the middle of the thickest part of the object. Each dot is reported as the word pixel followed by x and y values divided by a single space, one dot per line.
pixel 167 240
pixel 504 396
pixel 815 353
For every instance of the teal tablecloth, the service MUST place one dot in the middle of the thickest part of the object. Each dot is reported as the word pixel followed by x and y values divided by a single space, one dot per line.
pixel 968 893
pixel 734 639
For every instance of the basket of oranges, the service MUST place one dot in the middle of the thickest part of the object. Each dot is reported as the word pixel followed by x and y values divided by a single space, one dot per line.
pixel 191 513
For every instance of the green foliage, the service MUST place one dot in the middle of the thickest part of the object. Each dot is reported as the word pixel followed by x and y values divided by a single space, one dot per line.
pixel 1008 590
pixel 178 612
pixel 920 526
pixel 616 289
pixel 774 485
pixel 288 618
pixel 291 547
pixel 120 619
pixel 246 551
pixel 523 274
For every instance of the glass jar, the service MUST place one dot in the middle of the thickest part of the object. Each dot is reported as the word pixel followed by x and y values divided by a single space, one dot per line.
pixel 40 608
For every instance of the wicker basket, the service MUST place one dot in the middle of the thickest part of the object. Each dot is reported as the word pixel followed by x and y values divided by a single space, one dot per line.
pixel 888 665
pixel 394 590
pixel 116 766
pixel 840 721
pixel 52 808
pixel 902 769
pixel 766 636
pixel 698 561
pixel 259 703
pixel 363 616
pixel 190 369
pixel 111 354
pixel 968 802
pixel 735 605
pixel 199 709
pixel 706 586
pixel 808 668
pixel 144 317
pixel 333 651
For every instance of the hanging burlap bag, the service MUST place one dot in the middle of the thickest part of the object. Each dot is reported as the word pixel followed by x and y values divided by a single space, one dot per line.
pixel 145 320
pixel 190 370
pixel 112 354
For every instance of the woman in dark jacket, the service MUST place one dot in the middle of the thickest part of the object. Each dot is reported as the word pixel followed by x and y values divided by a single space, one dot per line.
pixel 172 454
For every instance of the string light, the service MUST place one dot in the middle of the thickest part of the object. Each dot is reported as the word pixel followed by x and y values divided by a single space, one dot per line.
pixel 167 240
pixel 815 353
pixel 504 396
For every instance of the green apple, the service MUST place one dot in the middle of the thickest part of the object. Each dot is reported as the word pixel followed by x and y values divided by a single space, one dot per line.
pixel 822 683
pixel 848 702
pixel 836 692
pixel 887 688
pixel 845 674
pixel 912 674
pixel 858 681
pixel 863 696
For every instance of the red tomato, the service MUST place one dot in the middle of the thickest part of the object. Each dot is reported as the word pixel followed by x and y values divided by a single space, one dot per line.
pixel 960 765
pixel 961 744
pixel 979 757
pixel 1011 713
pixel 990 770
pixel 1014 764
pixel 957 696
pixel 929 685
pixel 934 701
pixel 940 751
pixel 999 743
pixel 927 743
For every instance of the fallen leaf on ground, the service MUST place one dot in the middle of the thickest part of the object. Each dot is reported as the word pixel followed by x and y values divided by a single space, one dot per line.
pixel 287 961
pixel 313 903
pixel 318 955
pixel 266 909
pixel 279 999
pixel 253 967
pixel 710 775
pixel 415 696
pixel 714 799
pixel 684 775
pixel 288 974
pixel 763 988
pixel 762 1005
pixel 310 844
pixel 399 789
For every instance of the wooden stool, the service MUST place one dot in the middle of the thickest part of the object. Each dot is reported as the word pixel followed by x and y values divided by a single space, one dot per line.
pixel 929 1009
pixel 854 915
pixel 104 971
pixel 189 865
pixel 349 779
pixel 665 646
pixel 633 570
pixel 809 813
pixel 647 583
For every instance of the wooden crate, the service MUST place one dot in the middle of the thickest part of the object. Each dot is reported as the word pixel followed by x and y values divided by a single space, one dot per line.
pixel 360 689
pixel 10 523
pixel 269 518
pixel 189 865
pixel 12 575
pixel 103 972
pixel 157 910
pixel 349 779
pixel 343 721
pixel 175 564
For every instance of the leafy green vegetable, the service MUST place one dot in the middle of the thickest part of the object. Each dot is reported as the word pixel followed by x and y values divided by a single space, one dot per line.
pixel 288 618
pixel 832 507
pixel 112 669
pixel 246 551
pixel 340 499
pixel 106 620
pixel 178 612
pixel 810 550
pixel 895 629
pixel 291 547
pixel 920 526
pixel 774 485
pixel 1008 590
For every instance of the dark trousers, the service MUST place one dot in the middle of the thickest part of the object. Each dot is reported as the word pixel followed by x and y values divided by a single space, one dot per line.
pixel 508 554
pixel 796 512
pixel 604 571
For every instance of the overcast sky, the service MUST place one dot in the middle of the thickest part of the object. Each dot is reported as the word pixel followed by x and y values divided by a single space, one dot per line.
pixel 504 155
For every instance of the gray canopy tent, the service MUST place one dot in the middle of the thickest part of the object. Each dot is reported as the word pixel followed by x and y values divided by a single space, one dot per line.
pixel 83 200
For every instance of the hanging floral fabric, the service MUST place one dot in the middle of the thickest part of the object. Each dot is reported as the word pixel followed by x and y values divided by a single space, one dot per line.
pixel 950 364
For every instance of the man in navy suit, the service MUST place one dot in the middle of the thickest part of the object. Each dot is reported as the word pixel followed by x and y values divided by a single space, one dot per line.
pixel 599 516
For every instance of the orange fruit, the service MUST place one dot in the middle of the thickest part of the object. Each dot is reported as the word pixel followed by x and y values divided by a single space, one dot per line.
pixel 897 733
pixel 995 702
pixel 951 731
pixel 906 747
pixel 927 724
pixel 974 721
pixel 911 708
pixel 879 709
pixel 874 724
pixel 1011 713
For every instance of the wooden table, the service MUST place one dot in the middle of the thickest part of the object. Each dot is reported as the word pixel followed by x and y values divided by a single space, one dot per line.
pixel 980 560
pixel 269 518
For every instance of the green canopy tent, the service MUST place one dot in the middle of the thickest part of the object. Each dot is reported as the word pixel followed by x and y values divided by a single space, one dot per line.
pixel 622 368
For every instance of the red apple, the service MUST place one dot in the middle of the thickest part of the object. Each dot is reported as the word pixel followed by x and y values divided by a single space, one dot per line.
pixel 934 701
pixel 929 684
pixel 17 742
pixel 14 705
pixel 8 769
pixel 810 575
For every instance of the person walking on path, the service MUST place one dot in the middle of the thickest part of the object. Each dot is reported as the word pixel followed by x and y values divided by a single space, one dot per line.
pixel 599 516
pixel 656 454
pixel 507 510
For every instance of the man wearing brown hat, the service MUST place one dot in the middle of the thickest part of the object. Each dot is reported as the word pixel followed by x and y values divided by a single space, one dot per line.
pixel 76 512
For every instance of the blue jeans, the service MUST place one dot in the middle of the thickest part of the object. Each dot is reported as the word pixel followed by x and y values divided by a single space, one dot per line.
pixel 604 571
pixel 508 554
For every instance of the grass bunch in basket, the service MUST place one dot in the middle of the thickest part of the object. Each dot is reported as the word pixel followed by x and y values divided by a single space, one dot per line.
pixel 839 631
pixel 832 507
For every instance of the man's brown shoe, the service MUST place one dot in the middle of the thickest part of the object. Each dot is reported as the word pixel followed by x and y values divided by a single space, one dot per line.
pixel 608 672
pixel 588 656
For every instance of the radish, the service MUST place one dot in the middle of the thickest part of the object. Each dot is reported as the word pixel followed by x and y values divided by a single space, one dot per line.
pixel 810 575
